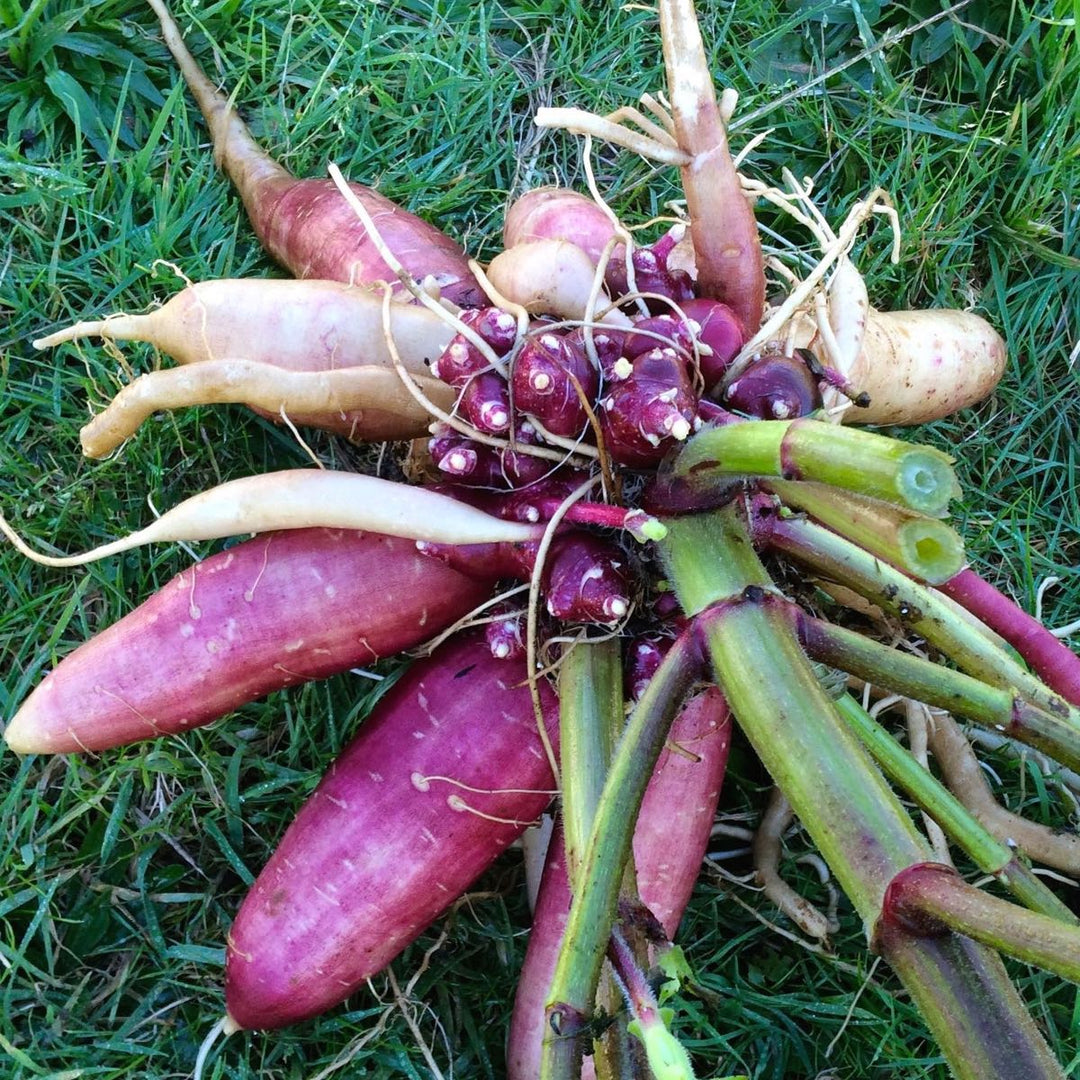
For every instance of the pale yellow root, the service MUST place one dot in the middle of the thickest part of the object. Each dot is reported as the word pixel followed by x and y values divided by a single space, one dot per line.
pixel 917 366
pixel 307 498
pixel 296 324
pixel 766 848
pixel 580 122
pixel 965 778
pixel 272 389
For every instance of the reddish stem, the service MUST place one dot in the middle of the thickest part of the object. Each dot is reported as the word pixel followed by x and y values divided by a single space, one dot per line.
pixel 726 246
pixel 1057 665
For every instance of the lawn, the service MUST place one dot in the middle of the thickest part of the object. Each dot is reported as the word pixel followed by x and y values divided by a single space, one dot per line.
pixel 120 872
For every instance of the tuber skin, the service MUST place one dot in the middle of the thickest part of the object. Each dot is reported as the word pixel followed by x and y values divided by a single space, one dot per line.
pixel 717 328
pixel 651 410
pixel 584 577
pixel 485 403
pixel 277 610
pixel 551 277
pixel 543 379
pixel 305 224
pixel 552 213
pixel 461 359
pixel 298 325
pixel 395 832
pixel 360 403
pixel 506 633
pixel 917 366
pixel 727 249
pixel 774 387
pixel 297 499
pixel 475 464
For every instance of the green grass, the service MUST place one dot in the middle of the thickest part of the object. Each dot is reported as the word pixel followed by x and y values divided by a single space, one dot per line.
pixel 120 873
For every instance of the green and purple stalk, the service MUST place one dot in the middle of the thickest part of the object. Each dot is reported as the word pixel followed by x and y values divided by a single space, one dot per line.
pixel 596 895
pixel 998 708
pixel 987 852
pixel 921 546
pixel 922 609
pixel 930 900
pixel 1057 665
pixel 840 796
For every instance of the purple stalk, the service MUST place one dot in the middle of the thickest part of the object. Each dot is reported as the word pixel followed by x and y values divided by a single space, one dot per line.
pixel 1057 665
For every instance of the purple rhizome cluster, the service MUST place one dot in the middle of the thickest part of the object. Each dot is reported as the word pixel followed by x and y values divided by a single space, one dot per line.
pixel 634 386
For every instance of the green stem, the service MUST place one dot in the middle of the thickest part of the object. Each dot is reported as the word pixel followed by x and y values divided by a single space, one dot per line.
pixel 590 718
pixel 840 796
pixel 960 825
pixel 924 611
pixel 593 907
pixel 918 477
pixel 995 707
pixel 921 546
pixel 931 899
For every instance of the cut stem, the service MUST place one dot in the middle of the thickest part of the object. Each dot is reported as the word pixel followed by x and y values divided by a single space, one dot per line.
pixel 590 718
pixel 921 546
pixel 917 477
pixel 842 799
pixel 667 1057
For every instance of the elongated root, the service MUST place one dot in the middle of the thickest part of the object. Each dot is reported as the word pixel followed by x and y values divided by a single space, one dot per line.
pixel 306 498
pixel 724 232
pixel 965 778
pixel 381 406
pixel 766 846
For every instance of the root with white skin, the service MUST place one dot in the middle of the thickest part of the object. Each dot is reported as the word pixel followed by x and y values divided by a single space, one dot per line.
pixel 902 367
pixel 387 410
pixel 766 849
pixel 964 777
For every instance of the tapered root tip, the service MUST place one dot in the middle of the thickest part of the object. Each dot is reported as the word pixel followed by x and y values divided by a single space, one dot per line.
pixel 17 738
pixel 24 548
pixel 70 333
pixel 225 1027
